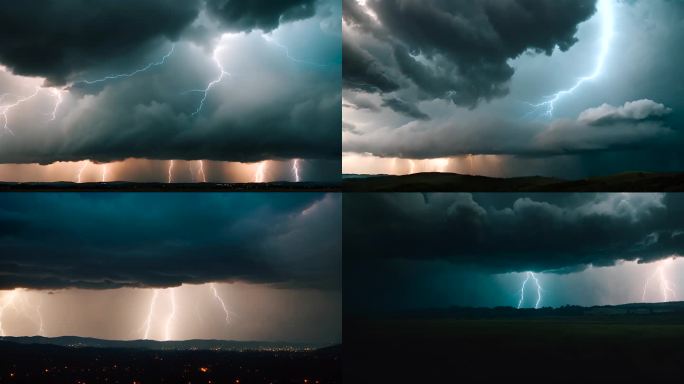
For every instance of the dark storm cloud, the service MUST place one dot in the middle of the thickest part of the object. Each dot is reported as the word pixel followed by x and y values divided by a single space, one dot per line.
pixel 108 241
pixel 511 232
pixel 58 39
pixel 400 106
pixel 456 50
pixel 245 15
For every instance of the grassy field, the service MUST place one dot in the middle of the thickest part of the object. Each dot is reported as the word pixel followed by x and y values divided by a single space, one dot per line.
pixel 610 348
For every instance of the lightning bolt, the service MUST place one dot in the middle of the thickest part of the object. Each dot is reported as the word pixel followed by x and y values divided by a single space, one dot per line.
pixel 130 74
pixel 605 10
pixel 172 315
pixel 171 171
pixel 57 93
pixel 6 302
pixel 80 171
pixel 201 171
pixel 205 92
pixel 273 41
pixel 530 275
pixel 259 176
pixel 295 169
pixel 148 322
pixel 666 287
pixel 212 286
pixel 104 173
pixel 4 109
pixel 412 167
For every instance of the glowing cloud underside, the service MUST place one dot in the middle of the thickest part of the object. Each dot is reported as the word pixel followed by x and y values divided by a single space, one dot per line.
pixel 606 12
pixel 665 287
pixel 530 275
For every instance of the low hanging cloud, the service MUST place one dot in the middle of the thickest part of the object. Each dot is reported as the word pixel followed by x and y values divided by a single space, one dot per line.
pixel 605 128
pixel 512 232
pixel 95 241
pixel 458 51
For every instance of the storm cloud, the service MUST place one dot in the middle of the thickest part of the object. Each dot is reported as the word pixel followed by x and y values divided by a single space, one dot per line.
pixel 500 233
pixel 278 99
pixel 52 241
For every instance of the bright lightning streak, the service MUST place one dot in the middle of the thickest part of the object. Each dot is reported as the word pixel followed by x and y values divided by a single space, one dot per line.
pixel 412 167
pixel 104 173
pixel 171 171
pixel 666 287
pixel 295 169
pixel 220 300
pixel 172 315
pixel 605 9
pixel 131 74
pixel 58 97
pixel 148 323
pixel 4 109
pixel 201 171
pixel 260 174
pixel 530 275
pixel 80 171
pixel 7 301
pixel 212 84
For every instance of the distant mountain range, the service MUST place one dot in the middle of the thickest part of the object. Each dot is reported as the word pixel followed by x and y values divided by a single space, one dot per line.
pixel 184 345
pixel 454 182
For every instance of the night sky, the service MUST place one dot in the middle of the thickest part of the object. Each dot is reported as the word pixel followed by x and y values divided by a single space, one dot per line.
pixel 510 88
pixel 93 265
pixel 123 84
pixel 435 250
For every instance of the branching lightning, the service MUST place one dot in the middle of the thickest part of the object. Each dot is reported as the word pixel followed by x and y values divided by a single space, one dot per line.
pixel 19 302
pixel 130 74
pixel 605 10
pixel 4 109
pixel 205 92
pixel 530 275
pixel 666 287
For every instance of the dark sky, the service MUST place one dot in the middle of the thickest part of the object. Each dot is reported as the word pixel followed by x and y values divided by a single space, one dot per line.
pixel 421 249
pixel 244 266
pixel 437 79
pixel 279 97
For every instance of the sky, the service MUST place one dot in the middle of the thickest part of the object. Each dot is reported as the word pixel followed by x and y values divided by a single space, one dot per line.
pixel 405 251
pixel 508 88
pixel 247 266
pixel 168 91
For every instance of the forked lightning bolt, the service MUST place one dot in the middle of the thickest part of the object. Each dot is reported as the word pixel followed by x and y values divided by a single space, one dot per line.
pixel 530 275
pixel 202 175
pixel 130 74
pixel 4 109
pixel 170 180
pixel 205 92
pixel 605 9
pixel 666 288
pixel 19 302
pixel 289 56
pixel 172 315
pixel 148 323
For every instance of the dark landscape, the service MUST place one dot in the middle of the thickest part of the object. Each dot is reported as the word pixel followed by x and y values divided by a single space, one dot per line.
pixel 610 343
pixel 41 360
pixel 453 182
pixel 169 187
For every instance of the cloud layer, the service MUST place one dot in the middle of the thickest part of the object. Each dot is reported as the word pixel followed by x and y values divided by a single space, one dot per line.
pixel 506 233
pixel 161 240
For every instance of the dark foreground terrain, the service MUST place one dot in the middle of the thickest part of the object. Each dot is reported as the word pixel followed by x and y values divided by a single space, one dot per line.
pixel 170 187
pixel 453 182
pixel 43 363
pixel 602 344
